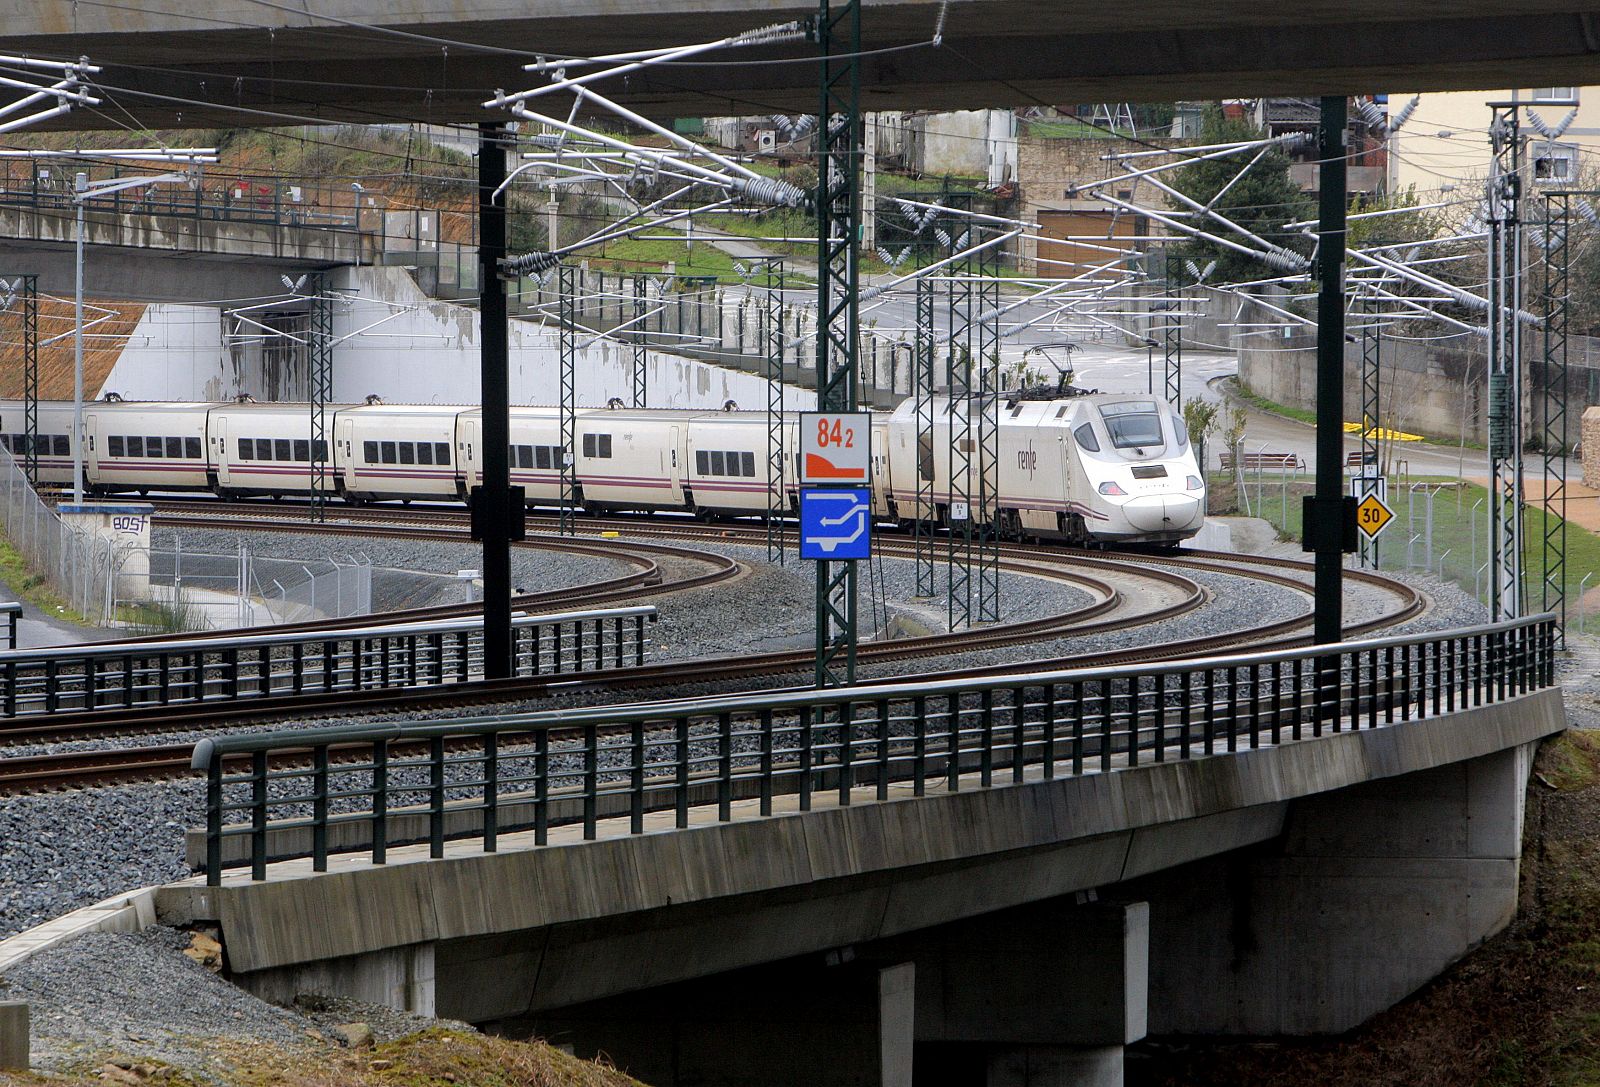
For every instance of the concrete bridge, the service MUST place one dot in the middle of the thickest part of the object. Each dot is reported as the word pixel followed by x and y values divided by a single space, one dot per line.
pixel 376 60
pixel 1051 887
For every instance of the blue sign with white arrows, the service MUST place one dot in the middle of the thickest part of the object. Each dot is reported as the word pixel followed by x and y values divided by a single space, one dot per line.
pixel 836 523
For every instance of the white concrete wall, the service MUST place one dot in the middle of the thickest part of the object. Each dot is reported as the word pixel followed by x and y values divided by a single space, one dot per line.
pixel 424 351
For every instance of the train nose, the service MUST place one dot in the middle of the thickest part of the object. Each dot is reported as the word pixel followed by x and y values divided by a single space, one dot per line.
pixel 1162 512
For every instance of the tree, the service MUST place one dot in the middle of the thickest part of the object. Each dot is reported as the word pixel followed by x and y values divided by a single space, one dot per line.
pixel 1200 417
pixel 1261 201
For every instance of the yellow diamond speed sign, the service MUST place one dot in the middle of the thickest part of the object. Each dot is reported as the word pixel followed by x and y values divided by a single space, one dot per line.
pixel 1372 516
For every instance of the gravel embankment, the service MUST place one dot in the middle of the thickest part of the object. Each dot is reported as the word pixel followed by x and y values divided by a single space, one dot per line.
pixel 135 997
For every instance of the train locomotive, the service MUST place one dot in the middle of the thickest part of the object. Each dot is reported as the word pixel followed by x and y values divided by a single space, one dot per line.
pixel 1088 468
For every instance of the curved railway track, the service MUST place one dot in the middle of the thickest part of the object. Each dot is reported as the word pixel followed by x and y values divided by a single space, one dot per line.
pixel 1095 572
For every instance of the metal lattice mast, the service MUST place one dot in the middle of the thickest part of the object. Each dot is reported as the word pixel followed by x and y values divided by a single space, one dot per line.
pixel 1172 334
pixel 320 348
pixel 838 34
pixel 958 381
pixel 772 346
pixel 567 288
pixel 28 295
pixel 987 359
pixel 1553 405
pixel 1504 191
pixel 641 301
pixel 922 376
pixel 1371 411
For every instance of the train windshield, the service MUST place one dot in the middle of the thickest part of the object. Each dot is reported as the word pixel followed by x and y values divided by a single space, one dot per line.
pixel 1133 424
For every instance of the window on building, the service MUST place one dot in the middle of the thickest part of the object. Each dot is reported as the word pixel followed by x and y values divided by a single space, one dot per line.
pixel 1554 163
pixel 1555 94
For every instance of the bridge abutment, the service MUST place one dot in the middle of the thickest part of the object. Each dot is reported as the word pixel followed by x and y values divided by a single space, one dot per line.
pixel 1370 892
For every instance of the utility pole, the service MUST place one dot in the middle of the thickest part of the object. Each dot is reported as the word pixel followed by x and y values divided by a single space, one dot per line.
pixel 80 191
pixel 1325 527
pixel 491 512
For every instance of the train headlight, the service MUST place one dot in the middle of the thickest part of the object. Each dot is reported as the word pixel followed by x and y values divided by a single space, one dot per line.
pixel 1193 483
pixel 1111 488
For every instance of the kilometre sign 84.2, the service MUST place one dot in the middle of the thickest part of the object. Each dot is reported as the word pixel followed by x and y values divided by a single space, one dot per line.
pixel 835 447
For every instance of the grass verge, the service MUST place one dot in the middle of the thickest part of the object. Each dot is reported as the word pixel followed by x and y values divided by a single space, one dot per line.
pixel 32 587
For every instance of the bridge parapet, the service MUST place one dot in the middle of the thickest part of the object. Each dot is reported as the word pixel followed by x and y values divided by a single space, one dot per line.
pixel 503 774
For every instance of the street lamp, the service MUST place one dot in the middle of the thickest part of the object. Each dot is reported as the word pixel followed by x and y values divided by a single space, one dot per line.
pixel 82 191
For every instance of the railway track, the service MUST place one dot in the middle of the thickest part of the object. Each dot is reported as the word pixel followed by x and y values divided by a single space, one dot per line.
pixel 1108 611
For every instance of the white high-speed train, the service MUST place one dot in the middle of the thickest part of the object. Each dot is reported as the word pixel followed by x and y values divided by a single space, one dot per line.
pixel 1085 467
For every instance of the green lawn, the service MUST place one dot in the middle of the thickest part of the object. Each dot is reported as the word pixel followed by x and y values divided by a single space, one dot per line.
pixel 1459 540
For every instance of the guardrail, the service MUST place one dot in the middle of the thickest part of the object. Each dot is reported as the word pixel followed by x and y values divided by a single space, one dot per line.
pixel 484 777
pixel 125 674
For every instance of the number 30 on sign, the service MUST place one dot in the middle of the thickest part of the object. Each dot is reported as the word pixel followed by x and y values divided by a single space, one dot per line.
pixel 835 447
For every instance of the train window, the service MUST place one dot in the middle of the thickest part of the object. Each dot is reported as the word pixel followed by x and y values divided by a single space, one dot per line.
pixel 322 449
pixel 282 449
pixel 62 446
pixel 191 448
pixel 1180 431
pixel 389 455
pixel 175 448
pixel 541 456
pixel 302 450
pixel 1086 439
pixel 408 452
pixel 369 452
pixel 247 448
pixel 702 463
pixel 135 445
pixel 441 452
pixel 1016 411
pixel 718 467
pixel 747 463
pixel 1061 411
pixel 588 445
pixel 605 444
pixel 1133 425
pixel 114 445
pixel 424 452
pixel 152 447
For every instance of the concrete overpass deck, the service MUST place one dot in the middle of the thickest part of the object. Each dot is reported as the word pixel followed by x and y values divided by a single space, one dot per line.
pixel 234 62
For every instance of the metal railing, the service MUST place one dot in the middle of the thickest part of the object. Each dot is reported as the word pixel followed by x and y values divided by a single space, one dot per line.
pixel 126 674
pixel 366 788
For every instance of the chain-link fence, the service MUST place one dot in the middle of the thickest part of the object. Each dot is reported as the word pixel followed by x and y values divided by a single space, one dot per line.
pixel 80 567
pixel 196 590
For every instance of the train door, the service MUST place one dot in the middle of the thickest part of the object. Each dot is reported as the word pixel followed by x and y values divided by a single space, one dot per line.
pixel 344 452
pixel 217 435
pixel 91 447
pixel 880 468
pixel 467 449
pixel 674 466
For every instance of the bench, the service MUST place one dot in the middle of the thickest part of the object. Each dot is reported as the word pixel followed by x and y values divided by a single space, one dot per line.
pixel 1251 462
